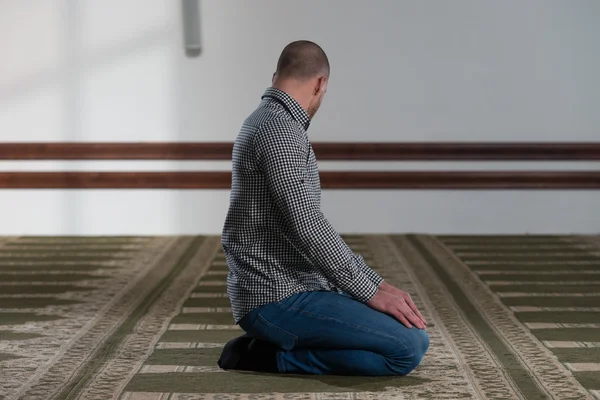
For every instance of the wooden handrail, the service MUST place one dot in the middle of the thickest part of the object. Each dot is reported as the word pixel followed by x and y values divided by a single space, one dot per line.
pixel 465 151
pixel 471 180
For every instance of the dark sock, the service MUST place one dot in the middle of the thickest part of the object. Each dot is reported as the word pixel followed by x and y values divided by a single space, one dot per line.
pixel 247 354
pixel 261 356
pixel 233 352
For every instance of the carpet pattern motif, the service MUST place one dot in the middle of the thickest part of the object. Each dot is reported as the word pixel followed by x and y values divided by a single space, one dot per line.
pixel 144 318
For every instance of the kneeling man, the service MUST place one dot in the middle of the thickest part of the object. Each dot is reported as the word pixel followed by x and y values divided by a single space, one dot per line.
pixel 307 303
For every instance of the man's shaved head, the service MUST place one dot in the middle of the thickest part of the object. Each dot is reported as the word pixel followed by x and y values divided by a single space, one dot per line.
pixel 302 60
pixel 303 73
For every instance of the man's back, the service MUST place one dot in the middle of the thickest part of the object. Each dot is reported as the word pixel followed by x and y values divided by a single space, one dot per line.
pixel 260 246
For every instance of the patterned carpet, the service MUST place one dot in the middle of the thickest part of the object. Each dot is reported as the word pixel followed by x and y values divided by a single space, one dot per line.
pixel 144 318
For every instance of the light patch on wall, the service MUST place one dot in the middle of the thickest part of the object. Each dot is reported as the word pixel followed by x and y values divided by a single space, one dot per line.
pixel 22 118
pixel 462 211
pixel 114 166
pixel 109 23
pixel 457 166
pixel 131 94
pixel 37 28
pixel 113 212
pixel 26 211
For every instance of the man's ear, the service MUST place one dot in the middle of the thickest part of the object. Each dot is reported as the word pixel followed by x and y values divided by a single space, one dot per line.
pixel 273 77
pixel 320 84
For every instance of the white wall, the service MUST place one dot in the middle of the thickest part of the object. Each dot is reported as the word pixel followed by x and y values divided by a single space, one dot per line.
pixel 114 70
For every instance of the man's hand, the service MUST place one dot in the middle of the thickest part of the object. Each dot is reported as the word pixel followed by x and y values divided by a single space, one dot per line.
pixel 386 287
pixel 397 307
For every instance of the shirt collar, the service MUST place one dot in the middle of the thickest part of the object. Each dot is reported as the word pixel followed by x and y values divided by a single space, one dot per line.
pixel 293 107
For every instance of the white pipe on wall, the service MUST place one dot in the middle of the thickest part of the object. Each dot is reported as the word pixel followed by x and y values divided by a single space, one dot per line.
pixel 190 10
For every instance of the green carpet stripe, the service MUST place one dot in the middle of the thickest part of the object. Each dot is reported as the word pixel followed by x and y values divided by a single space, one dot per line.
pixel 575 277
pixel 577 355
pixel 10 335
pixel 534 267
pixel 499 237
pixel 7 357
pixel 507 242
pixel 112 343
pixel 214 278
pixel 215 302
pixel 530 258
pixel 559 317
pixel 75 245
pixel 219 268
pixel 571 334
pixel 259 383
pixel 54 267
pixel 41 289
pixel 514 242
pixel 359 246
pixel 519 244
pixel 200 336
pixel 48 277
pixel 566 288
pixel 511 363
pixel 51 258
pixel 587 301
pixel 195 357
pixel 101 252
pixel 22 318
pixel 519 249
pixel 527 252
pixel 204 318
pixel 210 289
pixel 496 241
pixel 34 302
pixel 82 239
pixel 589 380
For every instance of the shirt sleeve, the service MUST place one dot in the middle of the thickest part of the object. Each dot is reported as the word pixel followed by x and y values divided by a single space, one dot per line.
pixel 368 271
pixel 281 153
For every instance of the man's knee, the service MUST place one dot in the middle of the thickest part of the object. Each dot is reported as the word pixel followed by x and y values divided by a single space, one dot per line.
pixel 415 346
pixel 422 342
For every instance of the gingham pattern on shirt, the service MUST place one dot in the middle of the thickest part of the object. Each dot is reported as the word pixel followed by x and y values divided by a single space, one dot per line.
pixel 276 240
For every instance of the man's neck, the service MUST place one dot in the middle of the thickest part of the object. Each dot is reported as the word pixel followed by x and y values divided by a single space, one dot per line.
pixel 295 90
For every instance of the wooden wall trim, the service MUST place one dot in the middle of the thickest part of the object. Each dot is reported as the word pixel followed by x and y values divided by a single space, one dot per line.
pixel 464 151
pixel 329 180
pixel 116 151
pixel 457 151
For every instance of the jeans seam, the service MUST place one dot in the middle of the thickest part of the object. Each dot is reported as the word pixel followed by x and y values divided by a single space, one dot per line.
pixel 361 327
pixel 270 324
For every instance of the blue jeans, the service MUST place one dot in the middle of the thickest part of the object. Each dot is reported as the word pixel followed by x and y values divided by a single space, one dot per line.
pixel 329 333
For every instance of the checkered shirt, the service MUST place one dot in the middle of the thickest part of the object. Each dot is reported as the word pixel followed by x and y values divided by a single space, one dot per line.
pixel 276 240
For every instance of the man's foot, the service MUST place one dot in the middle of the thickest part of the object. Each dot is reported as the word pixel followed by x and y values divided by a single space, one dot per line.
pixel 233 352
pixel 248 354
pixel 261 356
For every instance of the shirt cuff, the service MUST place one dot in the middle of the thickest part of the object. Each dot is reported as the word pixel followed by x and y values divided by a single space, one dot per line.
pixel 368 271
pixel 362 288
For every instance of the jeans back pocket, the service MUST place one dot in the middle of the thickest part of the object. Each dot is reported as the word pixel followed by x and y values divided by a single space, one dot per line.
pixel 270 332
pixel 258 326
